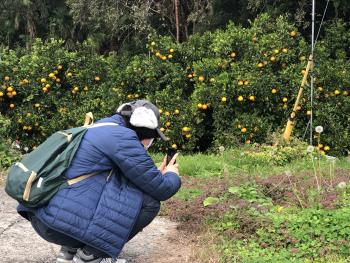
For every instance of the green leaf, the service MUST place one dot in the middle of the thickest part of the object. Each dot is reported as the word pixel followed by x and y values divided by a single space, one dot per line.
pixel 210 201
pixel 234 190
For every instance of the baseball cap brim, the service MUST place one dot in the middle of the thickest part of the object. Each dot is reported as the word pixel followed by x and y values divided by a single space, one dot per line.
pixel 162 135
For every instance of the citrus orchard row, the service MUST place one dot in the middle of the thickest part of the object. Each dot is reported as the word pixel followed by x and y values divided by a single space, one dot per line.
pixel 227 87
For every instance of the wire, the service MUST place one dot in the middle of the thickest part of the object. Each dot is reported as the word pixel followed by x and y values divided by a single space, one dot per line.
pixel 312 70
pixel 313 45
pixel 319 29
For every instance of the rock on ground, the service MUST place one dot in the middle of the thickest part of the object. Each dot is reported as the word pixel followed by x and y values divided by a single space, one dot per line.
pixel 159 242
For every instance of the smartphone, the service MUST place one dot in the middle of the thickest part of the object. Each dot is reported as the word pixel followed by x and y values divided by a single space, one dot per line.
pixel 170 154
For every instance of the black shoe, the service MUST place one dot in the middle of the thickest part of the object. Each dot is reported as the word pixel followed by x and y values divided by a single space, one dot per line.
pixel 66 254
pixel 81 257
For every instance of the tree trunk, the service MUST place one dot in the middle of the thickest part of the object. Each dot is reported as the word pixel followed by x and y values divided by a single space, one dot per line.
pixel 176 2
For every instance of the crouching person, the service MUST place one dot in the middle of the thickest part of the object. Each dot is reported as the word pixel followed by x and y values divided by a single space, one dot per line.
pixel 94 218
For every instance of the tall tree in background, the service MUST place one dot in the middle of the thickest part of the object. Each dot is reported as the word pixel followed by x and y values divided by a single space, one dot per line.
pixel 23 20
pixel 110 23
pixel 124 25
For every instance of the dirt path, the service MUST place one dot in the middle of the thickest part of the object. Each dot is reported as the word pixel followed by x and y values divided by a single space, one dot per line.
pixel 159 242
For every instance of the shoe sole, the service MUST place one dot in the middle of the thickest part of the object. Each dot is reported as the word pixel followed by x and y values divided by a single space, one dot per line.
pixel 61 260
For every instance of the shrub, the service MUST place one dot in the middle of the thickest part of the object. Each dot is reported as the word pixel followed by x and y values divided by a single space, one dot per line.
pixel 225 87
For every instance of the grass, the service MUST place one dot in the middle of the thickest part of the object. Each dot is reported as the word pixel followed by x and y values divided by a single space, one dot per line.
pixel 233 162
pixel 249 226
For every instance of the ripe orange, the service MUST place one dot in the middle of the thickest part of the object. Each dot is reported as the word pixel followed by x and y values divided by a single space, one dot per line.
pixel 167 124
pixel 252 98
pixel 51 75
pixel 285 50
pixel 12 105
pixel 43 80
pixel 14 93
pixel 97 78
pixel 45 89
pixel 240 83
pixel 6 78
pixel 233 54
pixel 285 99
pixel 201 78
pixel 58 80
pixel 240 98
pixel 59 67
pixel 260 65
pixel 1 94
pixel 276 51
pixel 293 34
pixel 336 92
pixel 205 106
pixel 157 54
pixel 162 129
pixel 164 57
pixel 69 74
pixel 170 56
pixel 199 105
pixel 223 99
pixel 186 129
pixel 188 136
pixel 176 111
pixel 254 39
pixel 160 111
pixel 167 113
pixel 246 82
pixel 243 130
pixel 37 105
pixel 174 146
pixel 326 148
pixel 273 59
pixel 189 76
pixel 171 50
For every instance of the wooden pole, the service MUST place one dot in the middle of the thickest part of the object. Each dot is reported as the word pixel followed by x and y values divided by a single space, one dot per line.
pixel 176 2
pixel 291 121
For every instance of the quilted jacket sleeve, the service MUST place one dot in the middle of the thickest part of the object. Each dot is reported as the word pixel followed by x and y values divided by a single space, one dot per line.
pixel 136 164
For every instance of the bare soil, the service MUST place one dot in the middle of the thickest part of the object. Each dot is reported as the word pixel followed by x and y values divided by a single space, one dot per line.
pixel 160 242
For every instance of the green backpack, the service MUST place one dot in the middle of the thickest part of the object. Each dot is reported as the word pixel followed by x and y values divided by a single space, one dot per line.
pixel 38 177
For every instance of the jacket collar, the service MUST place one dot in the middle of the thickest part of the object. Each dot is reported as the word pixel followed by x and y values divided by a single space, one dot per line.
pixel 118 119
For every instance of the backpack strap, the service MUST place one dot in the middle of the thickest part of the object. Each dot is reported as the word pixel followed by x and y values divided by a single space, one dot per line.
pixel 102 124
pixel 85 176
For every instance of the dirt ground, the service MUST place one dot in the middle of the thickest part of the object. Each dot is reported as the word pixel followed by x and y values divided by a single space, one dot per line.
pixel 159 242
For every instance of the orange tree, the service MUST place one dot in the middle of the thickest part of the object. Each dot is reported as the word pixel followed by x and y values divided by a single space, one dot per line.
pixel 226 87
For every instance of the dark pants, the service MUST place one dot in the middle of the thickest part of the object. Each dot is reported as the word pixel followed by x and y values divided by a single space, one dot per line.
pixel 149 210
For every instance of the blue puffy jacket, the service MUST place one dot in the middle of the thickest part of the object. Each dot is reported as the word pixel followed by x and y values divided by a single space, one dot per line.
pixel 100 211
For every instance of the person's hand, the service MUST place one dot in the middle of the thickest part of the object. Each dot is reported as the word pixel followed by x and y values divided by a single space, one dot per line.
pixel 161 168
pixel 171 167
